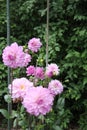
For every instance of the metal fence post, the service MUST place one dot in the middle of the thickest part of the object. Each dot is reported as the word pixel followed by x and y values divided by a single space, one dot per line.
pixel 8 43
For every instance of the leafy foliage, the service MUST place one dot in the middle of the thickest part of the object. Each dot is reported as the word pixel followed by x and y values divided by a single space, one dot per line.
pixel 67 48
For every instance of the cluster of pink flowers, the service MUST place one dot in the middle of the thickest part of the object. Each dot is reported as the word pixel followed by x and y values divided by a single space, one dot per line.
pixel 37 99
pixel 38 72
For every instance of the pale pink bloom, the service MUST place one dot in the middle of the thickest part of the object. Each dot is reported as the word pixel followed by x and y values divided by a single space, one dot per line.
pixel 19 87
pixel 34 44
pixel 30 70
pixel 38 101
pixel 13 56
pixel 55 87
pixel 39 72
pixel 26 60
pixel 52 69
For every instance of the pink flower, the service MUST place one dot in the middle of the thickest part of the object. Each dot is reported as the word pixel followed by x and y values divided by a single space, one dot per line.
pixel 19 87
pixel 13 56
pixel 38 101
pixel 39 72
pixel 26 60
pixel 30 70
pixel 34 44
pixel 52 69
pixel 55 87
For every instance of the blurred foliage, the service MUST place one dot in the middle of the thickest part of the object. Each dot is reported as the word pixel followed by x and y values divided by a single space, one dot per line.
pixel 67 48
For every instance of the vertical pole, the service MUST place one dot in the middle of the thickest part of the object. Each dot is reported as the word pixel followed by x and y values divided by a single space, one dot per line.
pixel 8 22
pixel 47 32
pixel 8 43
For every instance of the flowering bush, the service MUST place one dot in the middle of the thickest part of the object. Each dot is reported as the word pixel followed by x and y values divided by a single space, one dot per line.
pixel 36 92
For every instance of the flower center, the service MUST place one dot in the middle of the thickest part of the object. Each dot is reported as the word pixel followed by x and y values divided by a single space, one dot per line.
pixel 54 73
pixel 22 87
pixel 34 43
pixel 39 101
pixel 11 57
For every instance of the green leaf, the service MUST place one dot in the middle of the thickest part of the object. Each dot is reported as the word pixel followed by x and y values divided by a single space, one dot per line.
pixel 85 81
pixel 15 122
pixel 5 113
pixel 7 98
pixel 60 103
pixel 85 67
pixel 14 114
pixel 56 128
pixel 22 109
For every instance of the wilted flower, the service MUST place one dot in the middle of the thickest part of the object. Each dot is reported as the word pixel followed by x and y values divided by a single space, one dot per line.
pixel 19 87
pixel 55 87
pixel 38 101
pixel 52 69
pixel 34 44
